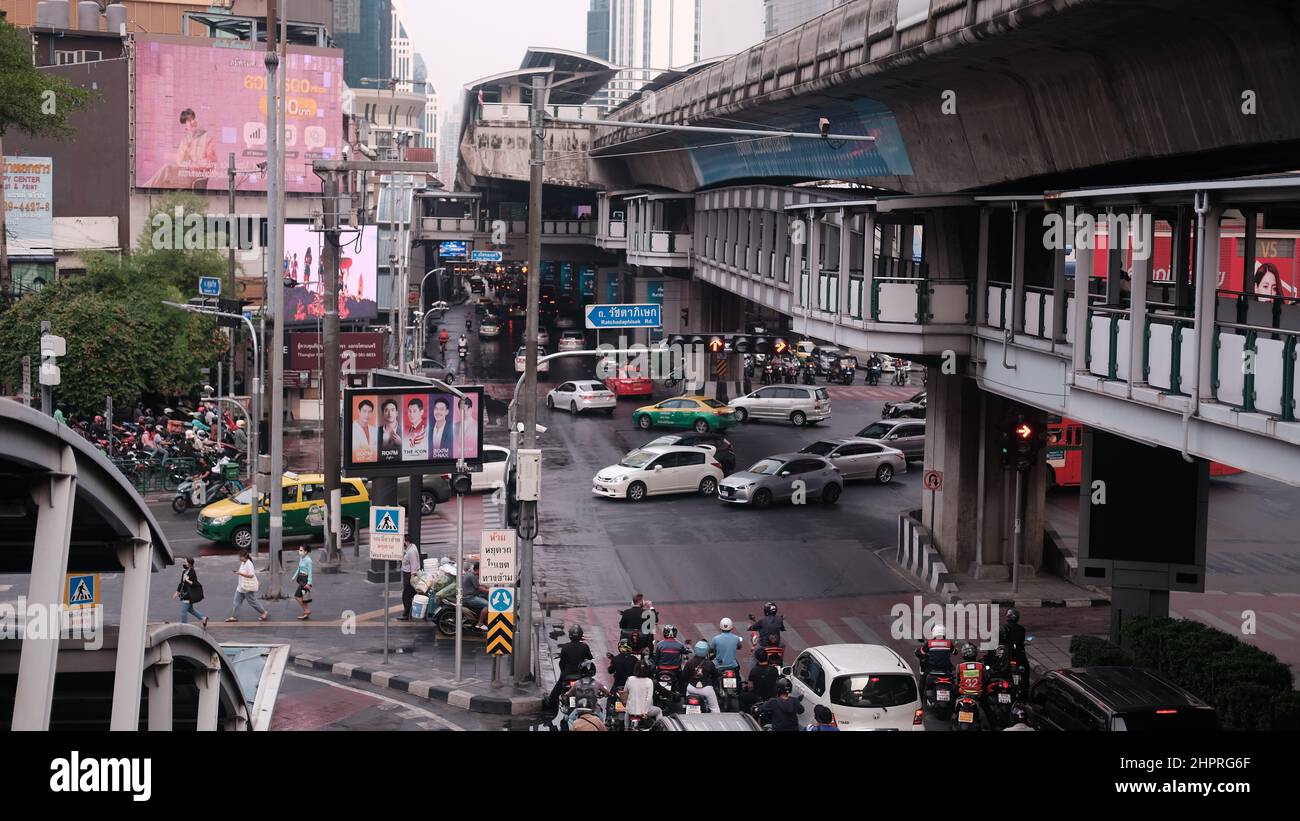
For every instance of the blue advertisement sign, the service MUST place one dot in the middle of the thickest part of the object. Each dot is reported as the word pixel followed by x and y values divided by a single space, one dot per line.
pixel 811 159
pixel 566 275
pixel 548 271
pixel 587 278
pixel 654 290
pixel 453 249
pixel 611 286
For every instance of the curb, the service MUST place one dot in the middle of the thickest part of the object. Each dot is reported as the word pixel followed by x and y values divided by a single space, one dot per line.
pixel 1021 604
pixel 439 690
pixel 917 556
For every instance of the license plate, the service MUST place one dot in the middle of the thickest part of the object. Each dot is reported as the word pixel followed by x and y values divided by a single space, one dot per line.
pixel 1004 698
pixel 966 717
pixel 728 684
pixel 573 702
pixel 941 695
pixel 1016 679
pixel 726 491
pixel 692 709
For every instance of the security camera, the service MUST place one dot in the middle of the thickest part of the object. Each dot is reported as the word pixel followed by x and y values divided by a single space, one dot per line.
pixel 825 126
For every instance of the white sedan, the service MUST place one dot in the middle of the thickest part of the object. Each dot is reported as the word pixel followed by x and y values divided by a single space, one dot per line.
pixel 579 396
pixel 659 470
pixel 493 474
pixel 521 357
pixel 572 341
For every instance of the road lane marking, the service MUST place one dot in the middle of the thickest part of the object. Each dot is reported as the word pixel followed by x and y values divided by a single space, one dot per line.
pixel 434 717
pixel 1284 621
pixel 824 630
pixel 862 630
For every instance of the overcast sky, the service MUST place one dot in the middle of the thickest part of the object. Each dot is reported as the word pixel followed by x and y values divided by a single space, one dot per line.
pixel 462 40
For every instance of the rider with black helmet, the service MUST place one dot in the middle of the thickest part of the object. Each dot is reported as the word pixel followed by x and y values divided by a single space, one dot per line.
pixel 670 654
pixel 770 624
pixel 783 711
pixel 585 694
pixel 1013 636
pixel 572 655
pixel 1019 721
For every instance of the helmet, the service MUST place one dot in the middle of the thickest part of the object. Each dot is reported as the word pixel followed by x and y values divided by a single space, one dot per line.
pixel 769 609
pixel 1013 615
pixel 725 625
pixel 575 633
pixel 701 648
pixel 1019 715
pixel 239 423
pixel 670 631
pixel 938 632
pixel 968 652
pixel 99 420
pixel 1001 652
pixel 783 686
pixel 587 669
pixel 624 646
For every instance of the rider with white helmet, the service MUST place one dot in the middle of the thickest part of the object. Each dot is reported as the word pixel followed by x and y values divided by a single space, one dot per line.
pixel 725 646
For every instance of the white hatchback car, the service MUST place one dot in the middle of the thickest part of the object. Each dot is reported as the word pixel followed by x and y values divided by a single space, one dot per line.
pixel 572 341
pixel 659 470
pixel 521 358
pixel 866 686
pixel 582 395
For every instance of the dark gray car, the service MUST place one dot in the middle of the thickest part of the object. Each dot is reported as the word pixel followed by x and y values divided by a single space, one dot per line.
pixel 907 435
pixel 773 480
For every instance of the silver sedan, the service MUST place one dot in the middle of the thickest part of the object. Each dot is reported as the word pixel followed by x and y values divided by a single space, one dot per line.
pixel 776 479
pixel 857 458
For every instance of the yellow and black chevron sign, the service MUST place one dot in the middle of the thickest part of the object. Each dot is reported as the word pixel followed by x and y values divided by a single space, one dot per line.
pixel 500 633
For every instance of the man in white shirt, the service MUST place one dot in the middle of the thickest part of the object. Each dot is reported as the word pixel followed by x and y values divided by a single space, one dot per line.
pixel 639 696
pixel 410 566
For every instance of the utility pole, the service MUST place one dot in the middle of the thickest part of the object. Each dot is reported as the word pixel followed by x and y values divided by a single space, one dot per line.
pixel 528 509
pixel 231 234
pixel 330 389
pixel 275 302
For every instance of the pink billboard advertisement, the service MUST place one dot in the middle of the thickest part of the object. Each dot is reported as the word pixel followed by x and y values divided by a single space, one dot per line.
pixel 197 102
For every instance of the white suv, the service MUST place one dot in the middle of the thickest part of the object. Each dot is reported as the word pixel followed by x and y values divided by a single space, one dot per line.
pixel 865 686
pixel 659 470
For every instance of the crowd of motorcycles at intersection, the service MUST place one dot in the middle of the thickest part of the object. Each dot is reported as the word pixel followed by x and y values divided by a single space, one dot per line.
pixel 652 679
pixel 789 369
pixel 180 443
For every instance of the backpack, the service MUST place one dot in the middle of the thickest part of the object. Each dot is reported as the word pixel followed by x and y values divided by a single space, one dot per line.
pixel 584 695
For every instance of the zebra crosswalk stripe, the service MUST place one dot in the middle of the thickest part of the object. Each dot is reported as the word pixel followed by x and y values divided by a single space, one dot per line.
pixel 863 632
pixel 824 631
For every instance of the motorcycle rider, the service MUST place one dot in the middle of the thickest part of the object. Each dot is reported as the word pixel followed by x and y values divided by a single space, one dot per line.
pixel 971 678
pixel 874 368
pixel 725 646
pixel 771 623
pixel 700 676
pixel 1019 721
pixel 462 345
pixel 783 711
pixel 633 624
pixel 762 684
pixel 935 654
pixel 638 696
pixel 825 721
pixel 670 654
pixel 588 694
pixel 997 663
pixel 622 666
pixel 443 336
pixel 1014 639
pixel 572 655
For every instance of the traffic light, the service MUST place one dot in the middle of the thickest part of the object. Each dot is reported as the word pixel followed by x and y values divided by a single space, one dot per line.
pixel 1023 437
pixel 717 344
pixel 780 346
pixel 461 483
pixel 512 501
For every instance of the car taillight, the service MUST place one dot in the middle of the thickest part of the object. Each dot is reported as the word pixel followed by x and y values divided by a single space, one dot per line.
pixel 716 465
pixel 916 717
pixel 1166 712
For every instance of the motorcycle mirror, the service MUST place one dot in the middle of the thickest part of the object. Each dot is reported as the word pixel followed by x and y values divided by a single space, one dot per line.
pixel 786 671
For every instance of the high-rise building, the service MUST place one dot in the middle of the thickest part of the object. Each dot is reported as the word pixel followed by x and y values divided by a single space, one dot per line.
pixel 364 30
pixel 421 78
pixel 402 67
pixel 782 15
pixel 449 144
pixel 647 35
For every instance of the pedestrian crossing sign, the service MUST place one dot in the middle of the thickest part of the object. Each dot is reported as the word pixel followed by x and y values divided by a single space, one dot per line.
pixel 387 533
pixel 82 590
pixel 386 519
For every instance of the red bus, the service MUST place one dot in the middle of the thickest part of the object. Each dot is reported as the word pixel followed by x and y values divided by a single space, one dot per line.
pixel 1065 454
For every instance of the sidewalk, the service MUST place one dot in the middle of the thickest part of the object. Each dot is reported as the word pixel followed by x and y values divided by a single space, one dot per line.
pixel 1035 591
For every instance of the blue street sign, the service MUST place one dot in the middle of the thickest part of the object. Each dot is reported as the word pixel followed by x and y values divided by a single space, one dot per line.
pixel 386 520
pixel 624 316
pixel 210 286
pixel 82 590
pixel 501 600
pixel 486 256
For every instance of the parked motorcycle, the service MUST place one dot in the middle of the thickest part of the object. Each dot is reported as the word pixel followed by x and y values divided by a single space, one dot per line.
pixel 444 616
pixel 205 487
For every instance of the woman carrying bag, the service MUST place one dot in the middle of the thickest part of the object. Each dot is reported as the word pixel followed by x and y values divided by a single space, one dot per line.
pixel 190 593
pixel 247 589
pixel 303 577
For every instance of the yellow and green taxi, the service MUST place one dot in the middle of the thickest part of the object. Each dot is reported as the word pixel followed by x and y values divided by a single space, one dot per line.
pixel 699 413
pixel 804 348
pixel 229 521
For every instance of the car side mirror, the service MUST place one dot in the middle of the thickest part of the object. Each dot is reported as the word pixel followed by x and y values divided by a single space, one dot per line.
pixel 658 468
pixel 785 473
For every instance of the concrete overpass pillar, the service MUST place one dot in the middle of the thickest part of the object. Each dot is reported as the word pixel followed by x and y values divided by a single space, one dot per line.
pixel 208 681
pixel 972 517
pixel 53 495
pixel 158 682
pixel 137 566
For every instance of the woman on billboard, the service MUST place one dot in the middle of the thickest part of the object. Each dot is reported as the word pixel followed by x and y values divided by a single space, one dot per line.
pixel 415 442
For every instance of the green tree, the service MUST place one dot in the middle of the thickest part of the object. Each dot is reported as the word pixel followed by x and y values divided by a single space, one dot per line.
pixel 122 341
pixel 33 101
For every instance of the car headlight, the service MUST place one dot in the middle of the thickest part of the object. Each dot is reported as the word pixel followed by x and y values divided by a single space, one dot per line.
pixel 219 520
pixel 620 479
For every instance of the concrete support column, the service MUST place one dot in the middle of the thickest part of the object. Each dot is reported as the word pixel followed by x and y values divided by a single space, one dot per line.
pixel 1059 294
pixel 782 246
pixel 1207 281
pixel 868 262
pixel 808 297
pixel 1018 221
pixel 158 681
pixel 1082 276
pixel 54 497
pixel 952 446
pixel 982 270
pixel 208 682
pixel 137 564
pixel 846 263
pixel 1138 299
